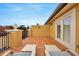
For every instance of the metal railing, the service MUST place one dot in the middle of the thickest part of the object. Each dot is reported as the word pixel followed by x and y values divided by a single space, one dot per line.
pixel 4 40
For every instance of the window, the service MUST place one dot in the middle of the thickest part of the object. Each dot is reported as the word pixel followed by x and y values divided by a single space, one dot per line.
pixel 59 29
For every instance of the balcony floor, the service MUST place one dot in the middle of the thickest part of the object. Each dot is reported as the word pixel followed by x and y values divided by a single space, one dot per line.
pixel 40 42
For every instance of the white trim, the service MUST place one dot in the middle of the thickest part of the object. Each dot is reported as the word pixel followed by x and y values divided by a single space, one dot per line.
pixel 6 53
pixel 55 48
pixel 50 48
pixel 30 47
pixel 56 29
pixel 73 30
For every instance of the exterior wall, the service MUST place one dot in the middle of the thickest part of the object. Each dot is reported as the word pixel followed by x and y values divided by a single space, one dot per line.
pixel 72 44
pixel 39 31
pixel 77 29
pixel 52 31
pixel 15 39
pixel 71 12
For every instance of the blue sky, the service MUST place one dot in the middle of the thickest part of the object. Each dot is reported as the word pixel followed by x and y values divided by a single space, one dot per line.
pixel 25 13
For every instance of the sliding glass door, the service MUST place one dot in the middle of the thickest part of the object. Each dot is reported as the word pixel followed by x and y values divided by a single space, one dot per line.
pixel 63 29
pixel 67 29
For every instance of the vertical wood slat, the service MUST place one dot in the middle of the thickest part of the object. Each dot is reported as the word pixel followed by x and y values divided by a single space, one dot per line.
pixel 8 40
pixel 2 43
pixel 4 40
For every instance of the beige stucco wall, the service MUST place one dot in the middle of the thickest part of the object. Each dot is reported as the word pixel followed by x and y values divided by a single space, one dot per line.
pixel 39 31
pixel 15 38
pixel 52 31
pixel 77 28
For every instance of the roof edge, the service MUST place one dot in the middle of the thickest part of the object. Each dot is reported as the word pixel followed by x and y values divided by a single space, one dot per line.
pixel 59 7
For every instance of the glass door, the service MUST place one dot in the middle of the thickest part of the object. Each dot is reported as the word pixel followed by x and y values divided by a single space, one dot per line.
pixel 67 29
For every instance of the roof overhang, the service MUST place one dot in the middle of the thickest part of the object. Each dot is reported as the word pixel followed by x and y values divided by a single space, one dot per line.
pixel 58 10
